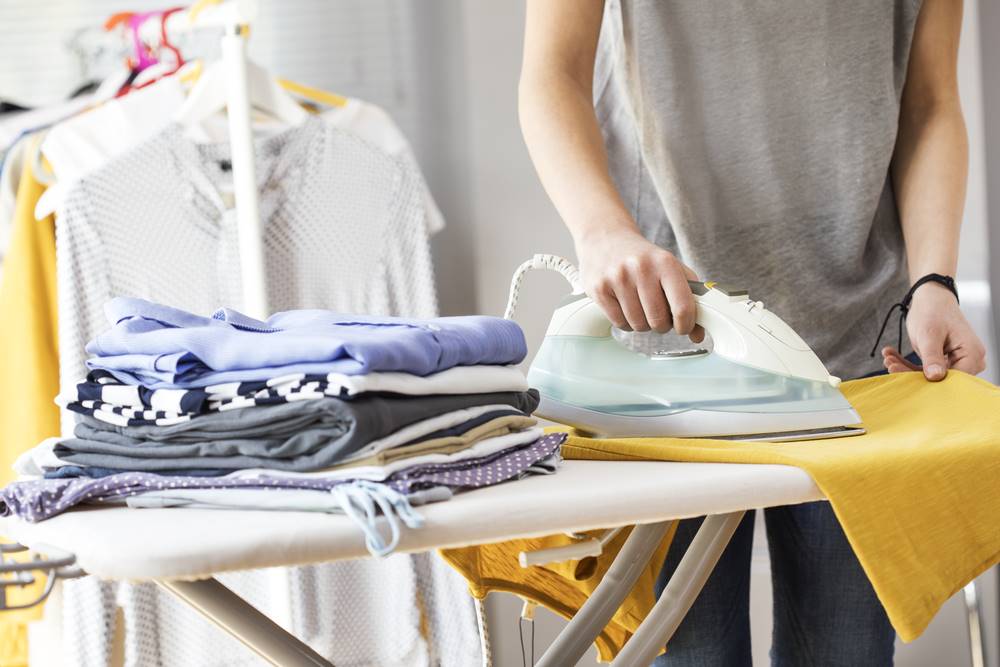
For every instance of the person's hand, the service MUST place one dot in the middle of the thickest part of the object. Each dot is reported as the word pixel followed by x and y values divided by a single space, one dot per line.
pixel 940 335
pixel 638 285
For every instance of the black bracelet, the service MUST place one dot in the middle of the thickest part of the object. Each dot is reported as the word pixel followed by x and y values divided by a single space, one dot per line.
pixel 904 306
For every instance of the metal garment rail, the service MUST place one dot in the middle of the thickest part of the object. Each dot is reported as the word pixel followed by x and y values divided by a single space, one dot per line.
pixel 249 229
pixel 54 565
pixel 234 18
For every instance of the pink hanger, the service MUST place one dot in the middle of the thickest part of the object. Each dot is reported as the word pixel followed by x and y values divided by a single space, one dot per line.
pixel 165 42
pixel 144 55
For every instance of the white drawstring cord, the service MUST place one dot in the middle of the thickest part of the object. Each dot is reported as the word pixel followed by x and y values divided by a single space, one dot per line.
pixel 358 499
pixel 540 261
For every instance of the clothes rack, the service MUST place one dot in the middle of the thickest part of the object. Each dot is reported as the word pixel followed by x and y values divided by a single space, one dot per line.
pixel 234 17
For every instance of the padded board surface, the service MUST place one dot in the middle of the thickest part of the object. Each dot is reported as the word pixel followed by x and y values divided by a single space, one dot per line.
pixel 146 544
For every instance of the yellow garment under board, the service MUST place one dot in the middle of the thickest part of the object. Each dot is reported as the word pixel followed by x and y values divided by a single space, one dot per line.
pixel 918 495
pixel 560 587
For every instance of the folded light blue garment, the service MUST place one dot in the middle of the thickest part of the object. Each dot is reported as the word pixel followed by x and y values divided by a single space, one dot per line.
pixel 159 346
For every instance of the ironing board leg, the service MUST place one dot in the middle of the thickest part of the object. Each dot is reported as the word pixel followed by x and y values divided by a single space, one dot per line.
pixel 973 610
pixel 588 622
pixel 242 620
pixel 687 581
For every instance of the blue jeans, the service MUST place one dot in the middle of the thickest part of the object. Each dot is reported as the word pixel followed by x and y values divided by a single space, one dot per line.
pixel 825 610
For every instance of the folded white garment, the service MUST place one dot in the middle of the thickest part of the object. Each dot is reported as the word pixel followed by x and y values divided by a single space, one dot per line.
pixel 423 428
pixel 38 459
pixel 279 500
pixel 379 473
pixel 455 380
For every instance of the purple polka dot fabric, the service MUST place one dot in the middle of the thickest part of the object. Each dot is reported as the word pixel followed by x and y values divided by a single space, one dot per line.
pixel 38 500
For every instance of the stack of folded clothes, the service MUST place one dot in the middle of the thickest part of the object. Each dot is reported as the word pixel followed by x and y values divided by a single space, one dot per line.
pixel 340 413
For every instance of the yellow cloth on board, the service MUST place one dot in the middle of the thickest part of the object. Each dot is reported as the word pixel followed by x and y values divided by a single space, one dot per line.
pixel 29 368
pixel 917 495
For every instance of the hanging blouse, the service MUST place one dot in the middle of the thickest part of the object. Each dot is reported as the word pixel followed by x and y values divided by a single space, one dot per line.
pixel 346 224
pixel 344 228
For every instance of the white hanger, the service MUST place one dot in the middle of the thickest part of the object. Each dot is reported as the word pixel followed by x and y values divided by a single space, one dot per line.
pixel 51 200
pixel 208 97
pixel 110 86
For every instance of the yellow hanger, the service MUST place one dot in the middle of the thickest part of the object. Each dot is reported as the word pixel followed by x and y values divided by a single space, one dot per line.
pixel 197 8
pixel 190 72
pixel 307 92
pixel 313 94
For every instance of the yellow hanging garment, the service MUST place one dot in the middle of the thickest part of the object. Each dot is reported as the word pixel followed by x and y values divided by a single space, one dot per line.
pixel 29 367
pixel 918 495
pixel 29 355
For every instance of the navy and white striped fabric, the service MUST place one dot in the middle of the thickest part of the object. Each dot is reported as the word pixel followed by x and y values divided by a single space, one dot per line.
pixel 104 397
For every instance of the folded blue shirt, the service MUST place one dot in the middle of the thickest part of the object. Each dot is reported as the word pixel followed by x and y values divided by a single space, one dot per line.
pixel 159 346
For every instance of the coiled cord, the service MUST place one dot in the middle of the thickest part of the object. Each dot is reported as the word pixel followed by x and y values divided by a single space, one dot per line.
pixel 540 261
pixel 484 632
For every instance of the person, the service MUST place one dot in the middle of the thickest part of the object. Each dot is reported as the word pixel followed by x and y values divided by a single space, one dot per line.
pixel 813 152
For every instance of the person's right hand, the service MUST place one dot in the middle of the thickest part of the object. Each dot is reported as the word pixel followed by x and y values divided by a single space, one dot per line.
pixel 638 285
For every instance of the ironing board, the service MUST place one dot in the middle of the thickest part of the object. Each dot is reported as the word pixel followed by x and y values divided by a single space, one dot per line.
pixel 181 549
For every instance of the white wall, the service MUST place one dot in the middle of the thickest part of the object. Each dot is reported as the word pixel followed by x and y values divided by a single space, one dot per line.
pixel 974 251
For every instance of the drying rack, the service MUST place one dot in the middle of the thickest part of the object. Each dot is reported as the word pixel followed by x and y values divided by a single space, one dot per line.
pixel 233 18
pixel 263 635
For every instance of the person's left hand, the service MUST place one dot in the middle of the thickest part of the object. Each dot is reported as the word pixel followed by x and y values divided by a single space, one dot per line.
pixel 940 335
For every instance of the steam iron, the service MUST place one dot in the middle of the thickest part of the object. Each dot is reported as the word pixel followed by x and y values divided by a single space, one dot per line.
pixel 760 382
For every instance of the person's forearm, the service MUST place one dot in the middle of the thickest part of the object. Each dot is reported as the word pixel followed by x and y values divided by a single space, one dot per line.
pixel 566 146
pixel 637 284
pixel 929 171
pixel 929 174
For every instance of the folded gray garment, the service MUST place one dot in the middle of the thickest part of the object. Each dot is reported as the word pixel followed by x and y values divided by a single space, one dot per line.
pixel 299 436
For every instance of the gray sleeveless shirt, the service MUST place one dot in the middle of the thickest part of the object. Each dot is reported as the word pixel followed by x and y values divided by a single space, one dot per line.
pixel 753 139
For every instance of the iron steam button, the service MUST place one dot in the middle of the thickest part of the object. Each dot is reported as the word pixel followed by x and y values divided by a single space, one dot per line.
pixel 697 288
pixel 729 290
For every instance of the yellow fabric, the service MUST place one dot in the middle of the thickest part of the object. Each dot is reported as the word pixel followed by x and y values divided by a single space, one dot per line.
pixel 917 496
pixel 560 587
pixel 29 367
